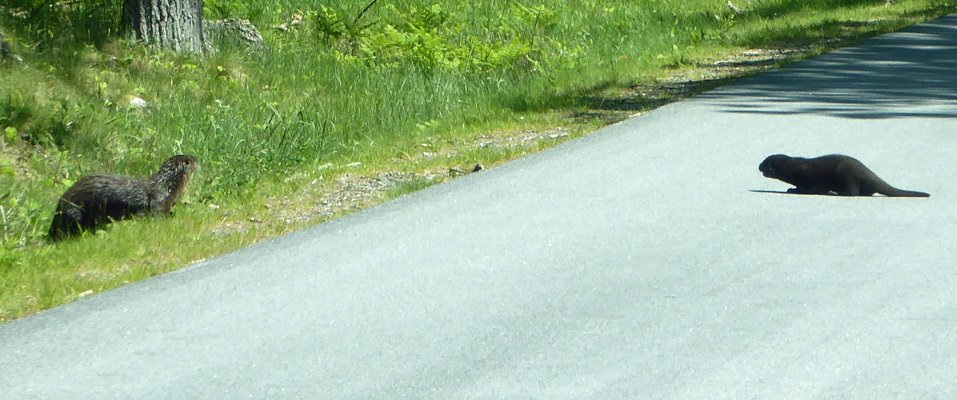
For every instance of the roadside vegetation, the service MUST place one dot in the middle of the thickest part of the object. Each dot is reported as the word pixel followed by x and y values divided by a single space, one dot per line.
pixel 347 106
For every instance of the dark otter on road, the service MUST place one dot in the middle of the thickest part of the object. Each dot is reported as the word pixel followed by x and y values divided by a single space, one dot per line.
pixel 98 199
pixel 836 173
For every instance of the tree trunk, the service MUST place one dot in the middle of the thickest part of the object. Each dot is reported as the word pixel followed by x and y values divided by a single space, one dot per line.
pixel 171 24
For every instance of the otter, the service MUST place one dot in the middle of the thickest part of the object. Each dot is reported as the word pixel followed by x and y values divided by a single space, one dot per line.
pixel 836 173
pixel 99 199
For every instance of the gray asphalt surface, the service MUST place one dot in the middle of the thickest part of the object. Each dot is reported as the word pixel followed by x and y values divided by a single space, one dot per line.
pixel 650 260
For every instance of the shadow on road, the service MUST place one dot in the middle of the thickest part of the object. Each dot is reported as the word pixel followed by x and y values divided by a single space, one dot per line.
pixel 769 191
pixel 915 67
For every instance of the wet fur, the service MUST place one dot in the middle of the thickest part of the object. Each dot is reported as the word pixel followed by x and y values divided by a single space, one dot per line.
pixel 840 174
pixel 99 199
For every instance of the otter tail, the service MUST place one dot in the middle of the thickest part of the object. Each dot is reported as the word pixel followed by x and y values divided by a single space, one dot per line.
pixel 887 190
pixel 906 193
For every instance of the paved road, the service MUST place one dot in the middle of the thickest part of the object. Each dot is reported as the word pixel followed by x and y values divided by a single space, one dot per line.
pixel 640 262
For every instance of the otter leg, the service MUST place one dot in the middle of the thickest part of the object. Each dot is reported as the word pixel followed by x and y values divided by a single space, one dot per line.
pixel 850 186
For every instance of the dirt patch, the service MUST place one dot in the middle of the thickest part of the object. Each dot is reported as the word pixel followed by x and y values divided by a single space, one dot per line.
pixel 14 159
pixel 321 200
pixel 351 192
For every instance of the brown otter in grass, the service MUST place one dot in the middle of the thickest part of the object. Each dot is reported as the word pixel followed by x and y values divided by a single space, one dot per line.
pixel 98 199
pixel 836 173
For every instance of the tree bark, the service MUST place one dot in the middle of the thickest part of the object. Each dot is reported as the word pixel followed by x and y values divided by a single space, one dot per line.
pixel 171 24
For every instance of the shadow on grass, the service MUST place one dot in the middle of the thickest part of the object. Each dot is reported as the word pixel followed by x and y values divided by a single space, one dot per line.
pixel 627 100
pixel 783 9
pixel 650 96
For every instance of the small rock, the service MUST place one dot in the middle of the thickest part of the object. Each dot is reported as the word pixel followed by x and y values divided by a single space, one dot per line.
pixel 137 103
pixel 232 31
pixel 734 8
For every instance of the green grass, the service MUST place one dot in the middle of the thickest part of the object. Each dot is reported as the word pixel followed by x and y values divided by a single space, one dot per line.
pixel 274 129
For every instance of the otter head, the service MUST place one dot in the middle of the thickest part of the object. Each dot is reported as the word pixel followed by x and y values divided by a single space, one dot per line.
pixel 168 185
pixel 771 164
pixel 176 171
pixel 181 164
